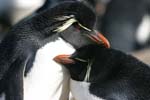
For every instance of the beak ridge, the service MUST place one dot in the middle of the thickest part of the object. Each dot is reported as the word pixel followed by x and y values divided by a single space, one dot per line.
pixel 99 39
pixel 64 59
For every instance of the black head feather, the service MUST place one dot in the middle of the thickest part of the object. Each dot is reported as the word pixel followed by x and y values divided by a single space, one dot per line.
pixel 82 12
pixel 47 22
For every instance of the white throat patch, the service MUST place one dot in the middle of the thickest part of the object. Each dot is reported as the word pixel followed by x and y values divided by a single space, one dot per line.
pixel 80 90
pixel 48 80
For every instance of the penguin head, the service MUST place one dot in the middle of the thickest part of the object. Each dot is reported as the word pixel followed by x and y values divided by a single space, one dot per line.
pixel 74 22
pixel 79 62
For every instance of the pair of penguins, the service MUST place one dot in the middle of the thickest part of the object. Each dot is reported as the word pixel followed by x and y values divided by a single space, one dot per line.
pixel 27 67
pixel 29 53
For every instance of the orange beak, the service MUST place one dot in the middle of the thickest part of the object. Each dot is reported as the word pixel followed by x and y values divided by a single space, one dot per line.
pixel 99 39
pixel 63 59
pixel 96 37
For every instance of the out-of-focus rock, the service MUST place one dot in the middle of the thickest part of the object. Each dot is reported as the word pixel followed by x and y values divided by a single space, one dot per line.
pixel 143 55
pixel 22 8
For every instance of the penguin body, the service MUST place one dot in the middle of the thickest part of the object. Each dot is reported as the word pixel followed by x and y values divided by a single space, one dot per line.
pixel 99 73
pixel 42 79
pixel 27 69
pixel 39 80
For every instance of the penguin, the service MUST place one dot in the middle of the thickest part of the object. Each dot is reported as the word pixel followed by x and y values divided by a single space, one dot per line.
pixel 99 73
pixel 27 68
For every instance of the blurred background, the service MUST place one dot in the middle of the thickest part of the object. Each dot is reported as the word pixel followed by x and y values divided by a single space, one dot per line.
pixel 126 23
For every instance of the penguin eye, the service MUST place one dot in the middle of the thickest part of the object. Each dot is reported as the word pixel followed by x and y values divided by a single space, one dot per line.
pixel 77 26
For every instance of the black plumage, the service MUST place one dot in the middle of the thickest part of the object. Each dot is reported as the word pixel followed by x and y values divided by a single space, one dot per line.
pixel 18 49
pixel 114 75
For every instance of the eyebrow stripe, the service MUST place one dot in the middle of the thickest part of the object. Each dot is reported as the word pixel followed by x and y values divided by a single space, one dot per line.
pixel 84 27
pixel 67 24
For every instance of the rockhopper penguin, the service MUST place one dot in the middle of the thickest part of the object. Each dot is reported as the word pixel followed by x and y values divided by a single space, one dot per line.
pixel 99 73
pixel 27 68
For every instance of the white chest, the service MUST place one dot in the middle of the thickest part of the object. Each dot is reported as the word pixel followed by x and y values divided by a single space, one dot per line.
pixel 47 80
pixel 80 91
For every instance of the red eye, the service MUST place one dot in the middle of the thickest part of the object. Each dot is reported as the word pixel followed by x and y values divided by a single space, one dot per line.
pixel 77 27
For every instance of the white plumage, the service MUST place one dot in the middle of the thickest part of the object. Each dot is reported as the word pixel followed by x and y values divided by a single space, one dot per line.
pixel 47 80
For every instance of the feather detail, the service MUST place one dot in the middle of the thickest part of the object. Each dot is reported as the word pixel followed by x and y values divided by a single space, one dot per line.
pixel 67 24
pixel 87 76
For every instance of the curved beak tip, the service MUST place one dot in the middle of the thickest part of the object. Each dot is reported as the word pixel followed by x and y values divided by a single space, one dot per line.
pixel 104 40
pixel 99 39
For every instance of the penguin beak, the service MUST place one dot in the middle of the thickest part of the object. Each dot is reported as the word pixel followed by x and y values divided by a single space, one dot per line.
pixel 96 37
pixel 99 39
pixel 64 59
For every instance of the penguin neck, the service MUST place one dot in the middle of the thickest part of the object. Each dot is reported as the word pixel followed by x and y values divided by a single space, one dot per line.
pixel 107 64
pixel 46 79
pixel 77 71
